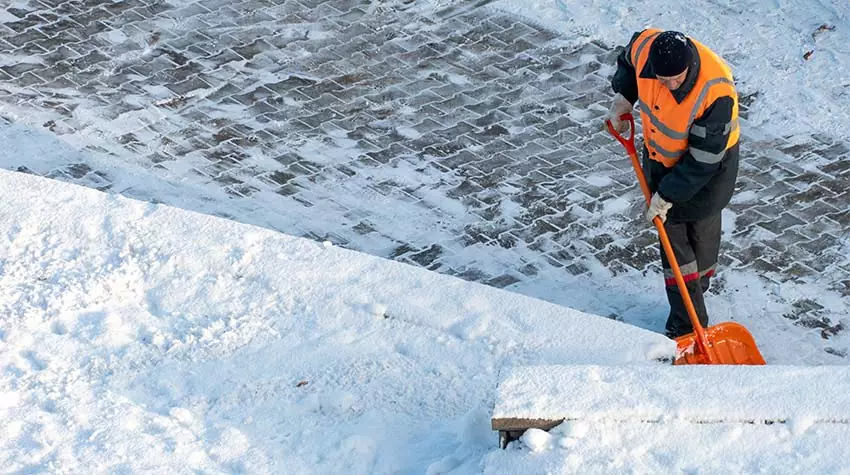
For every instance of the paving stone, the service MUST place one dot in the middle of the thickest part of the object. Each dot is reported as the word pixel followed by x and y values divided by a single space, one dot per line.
pixel 779 225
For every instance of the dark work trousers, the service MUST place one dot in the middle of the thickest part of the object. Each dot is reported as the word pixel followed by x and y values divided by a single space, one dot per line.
pixel 695 245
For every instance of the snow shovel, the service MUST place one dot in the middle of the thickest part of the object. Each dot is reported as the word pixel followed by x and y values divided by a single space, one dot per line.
pixel 725 343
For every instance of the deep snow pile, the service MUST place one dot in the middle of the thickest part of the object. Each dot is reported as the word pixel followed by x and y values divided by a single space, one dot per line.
pixel 139 337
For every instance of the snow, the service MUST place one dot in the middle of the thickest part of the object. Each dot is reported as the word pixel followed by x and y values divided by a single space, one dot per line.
pixel 665 392
pixel 678 447
pixel 536 440
pixel 142 338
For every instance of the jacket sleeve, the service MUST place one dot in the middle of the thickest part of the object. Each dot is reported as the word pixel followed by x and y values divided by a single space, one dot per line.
pixel 624 80
pixel 707 145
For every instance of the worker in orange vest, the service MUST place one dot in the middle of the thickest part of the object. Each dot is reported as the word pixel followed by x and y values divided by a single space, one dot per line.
pixel 688 106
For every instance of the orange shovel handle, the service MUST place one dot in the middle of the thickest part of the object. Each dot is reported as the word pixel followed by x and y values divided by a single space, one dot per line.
pixel 629 144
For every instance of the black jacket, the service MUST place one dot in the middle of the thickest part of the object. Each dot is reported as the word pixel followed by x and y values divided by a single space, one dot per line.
pixel 697 189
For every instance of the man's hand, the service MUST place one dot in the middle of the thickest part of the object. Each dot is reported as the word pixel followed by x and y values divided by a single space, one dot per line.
pixel 619 106
pixel 658 206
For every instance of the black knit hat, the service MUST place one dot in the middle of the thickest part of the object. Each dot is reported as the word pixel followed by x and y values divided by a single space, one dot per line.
pixel 669 54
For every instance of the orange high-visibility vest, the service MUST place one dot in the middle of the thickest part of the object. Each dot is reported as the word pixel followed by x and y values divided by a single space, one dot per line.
pixel 667 123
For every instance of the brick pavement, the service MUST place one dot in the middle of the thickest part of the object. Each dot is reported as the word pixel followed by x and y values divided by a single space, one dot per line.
pixel 466 142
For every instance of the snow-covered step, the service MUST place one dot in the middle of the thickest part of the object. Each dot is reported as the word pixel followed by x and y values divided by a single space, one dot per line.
pixel 542 397
pixel 677 447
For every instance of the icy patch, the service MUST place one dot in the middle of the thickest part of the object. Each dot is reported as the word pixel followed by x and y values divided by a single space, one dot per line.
pixel 6 17
pixel 458 79
pixel 745 197
pixel 598 180
pixel 617 205
pixel 408 132
pixel 115 37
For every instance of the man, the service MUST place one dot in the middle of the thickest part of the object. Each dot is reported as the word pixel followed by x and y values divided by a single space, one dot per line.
pixel 689 115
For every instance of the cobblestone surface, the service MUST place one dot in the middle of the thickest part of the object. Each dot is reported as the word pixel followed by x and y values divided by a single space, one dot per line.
pixel 462 141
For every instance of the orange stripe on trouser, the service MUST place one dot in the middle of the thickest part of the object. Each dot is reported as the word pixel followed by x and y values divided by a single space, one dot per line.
pixel 670 280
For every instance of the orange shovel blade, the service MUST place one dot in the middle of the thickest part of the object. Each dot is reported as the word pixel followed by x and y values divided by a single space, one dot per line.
pixel 729 343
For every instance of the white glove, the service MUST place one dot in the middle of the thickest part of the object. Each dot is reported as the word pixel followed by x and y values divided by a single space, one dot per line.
pixel 620 106
pixel 658 206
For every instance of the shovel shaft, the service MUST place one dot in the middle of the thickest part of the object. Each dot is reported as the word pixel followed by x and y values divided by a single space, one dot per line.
pixel 629 143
